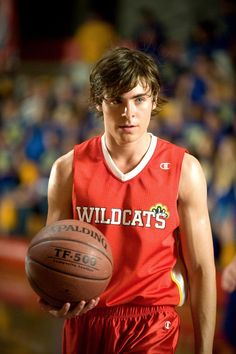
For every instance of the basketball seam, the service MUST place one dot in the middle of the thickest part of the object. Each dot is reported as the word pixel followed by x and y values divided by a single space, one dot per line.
pixel 69 274
pixel 74 240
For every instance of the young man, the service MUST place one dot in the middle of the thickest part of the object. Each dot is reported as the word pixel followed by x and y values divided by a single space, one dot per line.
pixel 147 196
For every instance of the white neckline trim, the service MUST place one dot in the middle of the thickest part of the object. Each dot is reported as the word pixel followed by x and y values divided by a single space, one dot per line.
pixel 129 175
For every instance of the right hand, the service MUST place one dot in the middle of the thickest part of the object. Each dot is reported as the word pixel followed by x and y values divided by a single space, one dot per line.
pixel 66 311
pixel 228 280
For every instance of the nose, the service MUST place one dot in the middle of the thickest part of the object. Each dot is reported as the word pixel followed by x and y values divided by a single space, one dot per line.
pixel 125 112
pixel 128 111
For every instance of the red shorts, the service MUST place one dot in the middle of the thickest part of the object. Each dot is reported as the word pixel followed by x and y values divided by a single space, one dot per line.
pixel 123 329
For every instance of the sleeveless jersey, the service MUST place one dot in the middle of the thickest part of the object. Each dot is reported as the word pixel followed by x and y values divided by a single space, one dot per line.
pixel 137 212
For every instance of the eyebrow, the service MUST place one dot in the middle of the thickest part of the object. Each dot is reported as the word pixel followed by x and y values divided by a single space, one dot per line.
pixel 133 97
pixel 141 94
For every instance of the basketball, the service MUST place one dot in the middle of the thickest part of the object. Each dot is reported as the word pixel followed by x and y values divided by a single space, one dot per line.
pixel 68 261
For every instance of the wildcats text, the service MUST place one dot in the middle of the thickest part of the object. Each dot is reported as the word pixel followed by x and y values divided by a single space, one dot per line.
pixel 127 217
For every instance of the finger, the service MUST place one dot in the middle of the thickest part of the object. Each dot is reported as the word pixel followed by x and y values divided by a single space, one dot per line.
pixel 97 301
pixel 60 312
pixel 77 310
pixel 83 307
pixel 90 305
pixel 64 310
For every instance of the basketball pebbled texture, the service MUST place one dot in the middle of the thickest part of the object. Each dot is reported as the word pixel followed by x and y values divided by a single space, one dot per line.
pixel 69 261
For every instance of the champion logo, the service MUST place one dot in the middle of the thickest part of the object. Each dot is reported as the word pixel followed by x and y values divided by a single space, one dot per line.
pixel 165 165
pixel 167 325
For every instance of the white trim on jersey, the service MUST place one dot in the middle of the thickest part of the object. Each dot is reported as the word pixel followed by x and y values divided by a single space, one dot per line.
pixel 129 175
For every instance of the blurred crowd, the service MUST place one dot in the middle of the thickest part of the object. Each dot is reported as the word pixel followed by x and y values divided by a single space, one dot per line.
pixel 42 116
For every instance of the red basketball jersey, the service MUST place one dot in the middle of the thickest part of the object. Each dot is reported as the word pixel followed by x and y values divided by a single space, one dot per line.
pixel 137 212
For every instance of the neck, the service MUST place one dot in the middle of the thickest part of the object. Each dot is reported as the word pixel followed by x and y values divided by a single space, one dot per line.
pixel 127 156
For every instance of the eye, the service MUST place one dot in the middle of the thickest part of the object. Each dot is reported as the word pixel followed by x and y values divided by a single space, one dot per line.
pixel 113 101
pixel 140 99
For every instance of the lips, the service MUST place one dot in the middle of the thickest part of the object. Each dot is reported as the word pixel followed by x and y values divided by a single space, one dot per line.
pixel 127 128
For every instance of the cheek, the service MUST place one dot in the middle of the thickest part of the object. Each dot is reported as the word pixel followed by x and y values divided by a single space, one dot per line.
pixel 146 111
pixel 111 113
pixel 109 117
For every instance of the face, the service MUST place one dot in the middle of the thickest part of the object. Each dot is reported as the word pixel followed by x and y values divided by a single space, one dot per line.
pixel 126 118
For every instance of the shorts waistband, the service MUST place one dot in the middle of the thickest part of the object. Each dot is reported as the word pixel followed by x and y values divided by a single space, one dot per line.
pixel 129 310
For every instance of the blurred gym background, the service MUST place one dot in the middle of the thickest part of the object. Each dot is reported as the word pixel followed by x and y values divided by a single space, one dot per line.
pixel 46 52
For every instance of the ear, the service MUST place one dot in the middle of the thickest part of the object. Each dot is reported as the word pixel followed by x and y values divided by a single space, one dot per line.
pixel 154 105
pixel 99 107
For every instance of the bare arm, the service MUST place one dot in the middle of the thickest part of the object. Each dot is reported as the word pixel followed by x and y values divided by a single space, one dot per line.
pixel 60 189
pixel 197 248
pixel 59 208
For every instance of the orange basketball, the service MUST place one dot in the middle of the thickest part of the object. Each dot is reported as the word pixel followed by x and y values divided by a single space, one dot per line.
pixel 69 261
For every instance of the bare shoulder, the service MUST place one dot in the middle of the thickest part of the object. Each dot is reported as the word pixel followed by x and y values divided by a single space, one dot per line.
pixel 64 161
pixel 63 165
pixel 190 165
pixel 192 178
pixel 60 189
pixel 61 172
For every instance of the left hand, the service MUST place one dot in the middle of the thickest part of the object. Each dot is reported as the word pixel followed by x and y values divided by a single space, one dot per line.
pixel 66 311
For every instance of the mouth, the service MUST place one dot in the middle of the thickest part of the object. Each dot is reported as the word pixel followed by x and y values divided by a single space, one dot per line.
pixel 127 128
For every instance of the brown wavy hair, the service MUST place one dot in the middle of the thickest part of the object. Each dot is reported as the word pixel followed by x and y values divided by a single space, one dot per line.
pixel 119 71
